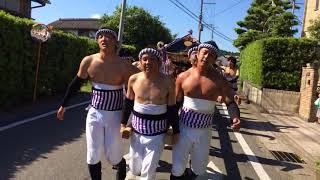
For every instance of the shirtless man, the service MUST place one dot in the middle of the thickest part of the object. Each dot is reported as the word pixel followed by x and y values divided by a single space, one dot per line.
pixel 199 90
pixel 192 54
pixel 151 99
pixel 108 74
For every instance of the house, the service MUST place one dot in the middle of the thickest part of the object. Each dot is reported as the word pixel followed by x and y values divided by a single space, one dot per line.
pixel 78 26
pixel 311 12
pixel 21 8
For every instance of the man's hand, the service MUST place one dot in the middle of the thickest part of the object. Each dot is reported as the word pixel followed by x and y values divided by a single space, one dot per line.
pixel 220 99
pixel 125 132
pixel 236 124
pixel 237 99
pixel 60 113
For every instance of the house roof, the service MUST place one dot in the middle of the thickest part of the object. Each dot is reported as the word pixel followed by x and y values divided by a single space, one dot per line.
pixel 42 2
pixel 77 23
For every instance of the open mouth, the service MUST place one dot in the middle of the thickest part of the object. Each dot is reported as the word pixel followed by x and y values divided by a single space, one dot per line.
pixel 148 67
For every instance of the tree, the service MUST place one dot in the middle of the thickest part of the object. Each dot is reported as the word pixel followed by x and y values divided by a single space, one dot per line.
pixel 141 28
pixel 314 29
pixel 266 18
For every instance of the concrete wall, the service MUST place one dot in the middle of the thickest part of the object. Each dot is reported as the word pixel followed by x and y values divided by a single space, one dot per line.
pixel 271 100
pixel 253 93
pixel 280 102
pixel 311 11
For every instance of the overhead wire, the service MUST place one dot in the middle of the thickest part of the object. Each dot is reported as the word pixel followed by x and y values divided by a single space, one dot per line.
pixel 195 17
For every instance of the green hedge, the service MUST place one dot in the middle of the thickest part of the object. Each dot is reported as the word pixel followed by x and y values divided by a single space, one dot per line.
pixel 60 58
pixel 277 62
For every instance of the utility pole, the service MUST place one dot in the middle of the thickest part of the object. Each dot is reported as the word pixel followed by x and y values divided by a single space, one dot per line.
pixel 293 2
pixel 200 21
pixel 121 24
pixel 212 30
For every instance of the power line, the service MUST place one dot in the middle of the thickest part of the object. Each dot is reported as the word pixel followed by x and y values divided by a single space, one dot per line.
pixel 228 8
pixel 204 23
pixel 195 17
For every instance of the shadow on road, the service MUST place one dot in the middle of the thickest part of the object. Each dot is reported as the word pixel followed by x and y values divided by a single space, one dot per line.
pixel 230 158
pixel 22 145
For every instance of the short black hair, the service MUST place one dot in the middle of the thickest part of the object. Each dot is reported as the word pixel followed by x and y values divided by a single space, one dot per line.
pixel 232 59
pixel 214 44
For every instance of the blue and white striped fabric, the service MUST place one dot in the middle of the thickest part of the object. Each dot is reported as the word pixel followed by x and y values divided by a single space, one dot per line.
pixel 192 49
pixel 150 51
pixel 149 125
pixel 208 46
pixel 100 31
pixel 108 100
pixel 195 119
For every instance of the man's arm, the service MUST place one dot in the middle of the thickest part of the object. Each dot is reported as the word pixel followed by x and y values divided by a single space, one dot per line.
pixel 129 101
pixel 75 85
pixel 233 109
pixel 179 90
pixel 173 107
pixel 128 107
pixel 77 81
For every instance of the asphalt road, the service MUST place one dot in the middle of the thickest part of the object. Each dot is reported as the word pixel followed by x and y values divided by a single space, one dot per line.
pixel 56 150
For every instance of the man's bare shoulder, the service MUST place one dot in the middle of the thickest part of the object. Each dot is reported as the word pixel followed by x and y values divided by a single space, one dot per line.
pixel 182 76
pixel 87 60
pixel 91 58
pixel 134 77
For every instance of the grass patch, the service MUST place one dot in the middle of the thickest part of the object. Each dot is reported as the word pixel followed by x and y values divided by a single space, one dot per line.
pixel 317 163
pixel 86 87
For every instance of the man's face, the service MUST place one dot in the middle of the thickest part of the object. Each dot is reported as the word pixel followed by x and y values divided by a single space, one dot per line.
pixel 193 58
pixel 149 63
pixel 106 41
pixel 230 64
pixel 206 57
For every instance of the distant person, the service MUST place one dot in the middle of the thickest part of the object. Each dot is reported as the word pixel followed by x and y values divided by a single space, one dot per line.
pixel 231 73
pixel 192 55
pixel 317 104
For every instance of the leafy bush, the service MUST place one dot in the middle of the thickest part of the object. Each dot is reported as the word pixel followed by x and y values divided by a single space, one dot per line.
pixel 277 62
pixel 317 164
pixel 60 58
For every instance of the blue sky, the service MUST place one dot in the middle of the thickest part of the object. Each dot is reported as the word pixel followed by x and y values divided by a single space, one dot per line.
pixel 223 14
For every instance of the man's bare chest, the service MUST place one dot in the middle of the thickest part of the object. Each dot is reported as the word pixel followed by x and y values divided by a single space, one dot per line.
pixel 199 87
pixel 149 91
pixel 103 72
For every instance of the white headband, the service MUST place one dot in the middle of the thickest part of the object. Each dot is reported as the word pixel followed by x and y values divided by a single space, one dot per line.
pixel 151 51
pixel 191 50
pixel 114 34
pixel 208 46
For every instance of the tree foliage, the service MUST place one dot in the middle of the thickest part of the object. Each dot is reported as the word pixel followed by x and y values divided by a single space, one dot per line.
pixel 141 28
pixel 266 18
pixel 314 29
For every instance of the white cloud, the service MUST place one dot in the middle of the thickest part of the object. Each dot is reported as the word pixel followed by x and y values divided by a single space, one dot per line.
pixel 96 16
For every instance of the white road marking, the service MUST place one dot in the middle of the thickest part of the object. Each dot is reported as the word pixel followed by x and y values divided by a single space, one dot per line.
pixel 213 167
pixel 262 174
pixel 38 117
